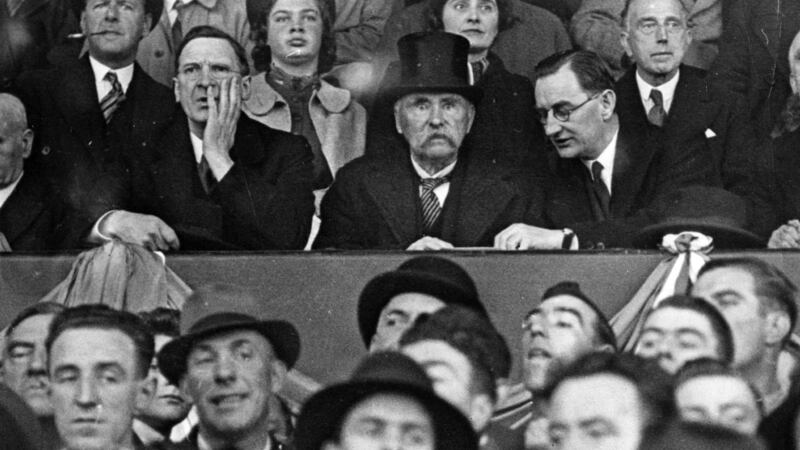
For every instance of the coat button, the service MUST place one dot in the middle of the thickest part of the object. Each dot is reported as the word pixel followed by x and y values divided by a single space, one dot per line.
pixel 46 150
pixel 159 53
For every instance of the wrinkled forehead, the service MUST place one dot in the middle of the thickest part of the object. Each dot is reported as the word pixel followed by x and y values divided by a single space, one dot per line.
pixel 208 50
pixel 432 97
pixel 656 9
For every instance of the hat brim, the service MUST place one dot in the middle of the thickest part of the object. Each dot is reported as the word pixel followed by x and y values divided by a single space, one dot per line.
pixel 381 289
pixel 725 236
pixel 152 7
pixel 471 93
pixel 323 413
pixel 282 335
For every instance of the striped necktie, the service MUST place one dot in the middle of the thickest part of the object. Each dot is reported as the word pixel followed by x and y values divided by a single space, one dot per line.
pixel 430 203
pixel 111 101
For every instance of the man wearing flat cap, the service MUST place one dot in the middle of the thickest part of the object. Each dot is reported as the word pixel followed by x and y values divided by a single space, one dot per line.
pixel 426 196
pixel 230 364
pixel 94 110
pixel 391 302
pixel 389 402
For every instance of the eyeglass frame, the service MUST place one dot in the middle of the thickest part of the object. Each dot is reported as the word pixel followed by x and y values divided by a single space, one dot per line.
pixel 564 110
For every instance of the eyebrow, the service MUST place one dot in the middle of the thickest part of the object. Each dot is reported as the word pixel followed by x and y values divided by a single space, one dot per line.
pixel 397 312
pixel 595 421
pixel 560 309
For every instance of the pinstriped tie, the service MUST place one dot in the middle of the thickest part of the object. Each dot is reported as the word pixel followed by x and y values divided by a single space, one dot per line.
pixel 430 203
pixel 111 101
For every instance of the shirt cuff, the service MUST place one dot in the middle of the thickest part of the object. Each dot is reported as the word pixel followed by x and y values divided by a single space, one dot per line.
pixel 96 237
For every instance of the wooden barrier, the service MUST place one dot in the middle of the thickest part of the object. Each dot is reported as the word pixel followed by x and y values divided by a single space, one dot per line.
pixel 318 291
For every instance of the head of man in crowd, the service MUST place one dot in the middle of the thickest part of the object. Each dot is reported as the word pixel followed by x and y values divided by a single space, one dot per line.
pixel 608 401
pixel 98 359
pixel 168 406
pixel 680 435
pixel 16 139
pixel 565 326
pixel 575 102
pixel 392 301
pixel 434 104
pixel 465 357
pixel 388 402
pixel 656 35
pixel 682 328
pixel 24 364
pixel 229 364
pixel 213 77
pixel 710 392
pixel 113 28
pixel 759 303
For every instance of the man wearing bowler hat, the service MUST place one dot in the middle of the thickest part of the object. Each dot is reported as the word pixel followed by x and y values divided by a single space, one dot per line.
pixel 425 194
pixel 91 112
pixel 391 302
pixel 389 402
pixel 230 364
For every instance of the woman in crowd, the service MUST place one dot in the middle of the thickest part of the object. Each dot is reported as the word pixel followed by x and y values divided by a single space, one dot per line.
pixel 295 47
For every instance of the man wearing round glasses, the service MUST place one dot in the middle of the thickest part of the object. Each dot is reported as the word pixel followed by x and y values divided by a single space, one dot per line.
pixel 608 178
pixel 223 181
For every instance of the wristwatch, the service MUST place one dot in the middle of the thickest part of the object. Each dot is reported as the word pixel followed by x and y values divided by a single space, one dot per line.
pixel 569 236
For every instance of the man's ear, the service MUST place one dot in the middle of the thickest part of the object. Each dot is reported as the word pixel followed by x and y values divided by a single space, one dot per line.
pixel 146 392
pixel 246 91
pixel 27 141
pixel 471 112
pixel 604 348
pixel 398 124
pixel 278 373
pixel 480 411
pixel 176 89
pixel 624 36
pixel 148 20
pixel 778 326
pixel 608 101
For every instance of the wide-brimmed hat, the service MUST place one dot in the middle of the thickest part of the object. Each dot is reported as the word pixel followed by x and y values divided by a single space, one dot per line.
pixel 152 7
pixel 382 373
pixel 431 275
pixel 712 211
pixel 433 61
pixel 218 308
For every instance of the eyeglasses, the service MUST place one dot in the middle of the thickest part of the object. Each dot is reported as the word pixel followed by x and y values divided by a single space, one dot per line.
pixel 562 112
pixel 218 72
pixel 671 26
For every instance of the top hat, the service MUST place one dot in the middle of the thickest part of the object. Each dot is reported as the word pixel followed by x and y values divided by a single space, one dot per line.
pixel 431 275
pixel 712 211
pixel 379 373
pixel 152 7
pixel 434 62
pixel 218 308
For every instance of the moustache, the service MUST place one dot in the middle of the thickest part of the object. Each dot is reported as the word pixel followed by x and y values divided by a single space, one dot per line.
pixel 447 138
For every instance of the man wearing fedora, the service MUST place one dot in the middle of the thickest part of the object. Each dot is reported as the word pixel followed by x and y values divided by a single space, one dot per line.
pixel 389 402
pixel 426 195
pixel 391 302
pixel 605 177
pixel 89 113
pixel 229 363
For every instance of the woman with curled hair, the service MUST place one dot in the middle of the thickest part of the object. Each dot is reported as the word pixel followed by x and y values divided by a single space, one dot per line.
pixel 295 46
pixel 504 129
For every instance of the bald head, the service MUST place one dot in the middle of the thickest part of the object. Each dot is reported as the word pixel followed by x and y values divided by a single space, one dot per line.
pixel 16 139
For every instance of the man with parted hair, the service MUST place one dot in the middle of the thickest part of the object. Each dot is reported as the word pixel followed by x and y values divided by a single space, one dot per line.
pixel 606 177
pixel 96 388
pixel 760 304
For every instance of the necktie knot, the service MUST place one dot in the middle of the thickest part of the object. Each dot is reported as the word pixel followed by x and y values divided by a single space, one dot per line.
pixel 657 97
pixel 597 171
pixel 432 183
pixel 111 101
pixel 657 113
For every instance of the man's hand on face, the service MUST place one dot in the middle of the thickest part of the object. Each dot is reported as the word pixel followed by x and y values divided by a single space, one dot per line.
pixel 220 130
pixel 430 243
pixel 786 236
pixel 523 237
pixel 145 230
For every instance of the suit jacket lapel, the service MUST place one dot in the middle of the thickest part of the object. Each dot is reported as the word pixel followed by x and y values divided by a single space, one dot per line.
pixel 395 191
pixel 76 98
pixel 21 209
pixel 630 162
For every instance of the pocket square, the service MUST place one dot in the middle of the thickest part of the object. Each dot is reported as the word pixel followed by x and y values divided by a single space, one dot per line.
pixel 710 133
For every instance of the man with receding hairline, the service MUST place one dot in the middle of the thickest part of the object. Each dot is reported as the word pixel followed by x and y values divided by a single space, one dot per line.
pixel 31 217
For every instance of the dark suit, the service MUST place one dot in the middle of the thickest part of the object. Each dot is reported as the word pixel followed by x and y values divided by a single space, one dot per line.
pixel 694 110
pixel 374 204
pixel 33 218
pixel 75 150
pixel 263 202
pixel 644 171
pixel 190 443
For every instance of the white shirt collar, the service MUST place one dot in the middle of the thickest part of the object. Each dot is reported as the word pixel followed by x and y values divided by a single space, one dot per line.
pixel 667 91
pixel 606 158
pixel 203 445
pixel 197 147
pixel 8 190
pixel 442 173
pixel 124 76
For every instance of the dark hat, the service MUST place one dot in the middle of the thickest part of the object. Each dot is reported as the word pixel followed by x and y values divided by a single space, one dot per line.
pixel 712 211
pixel 382 372
pixel 218 308
pixel 431 275
pixel 152 7
pixel 433 62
